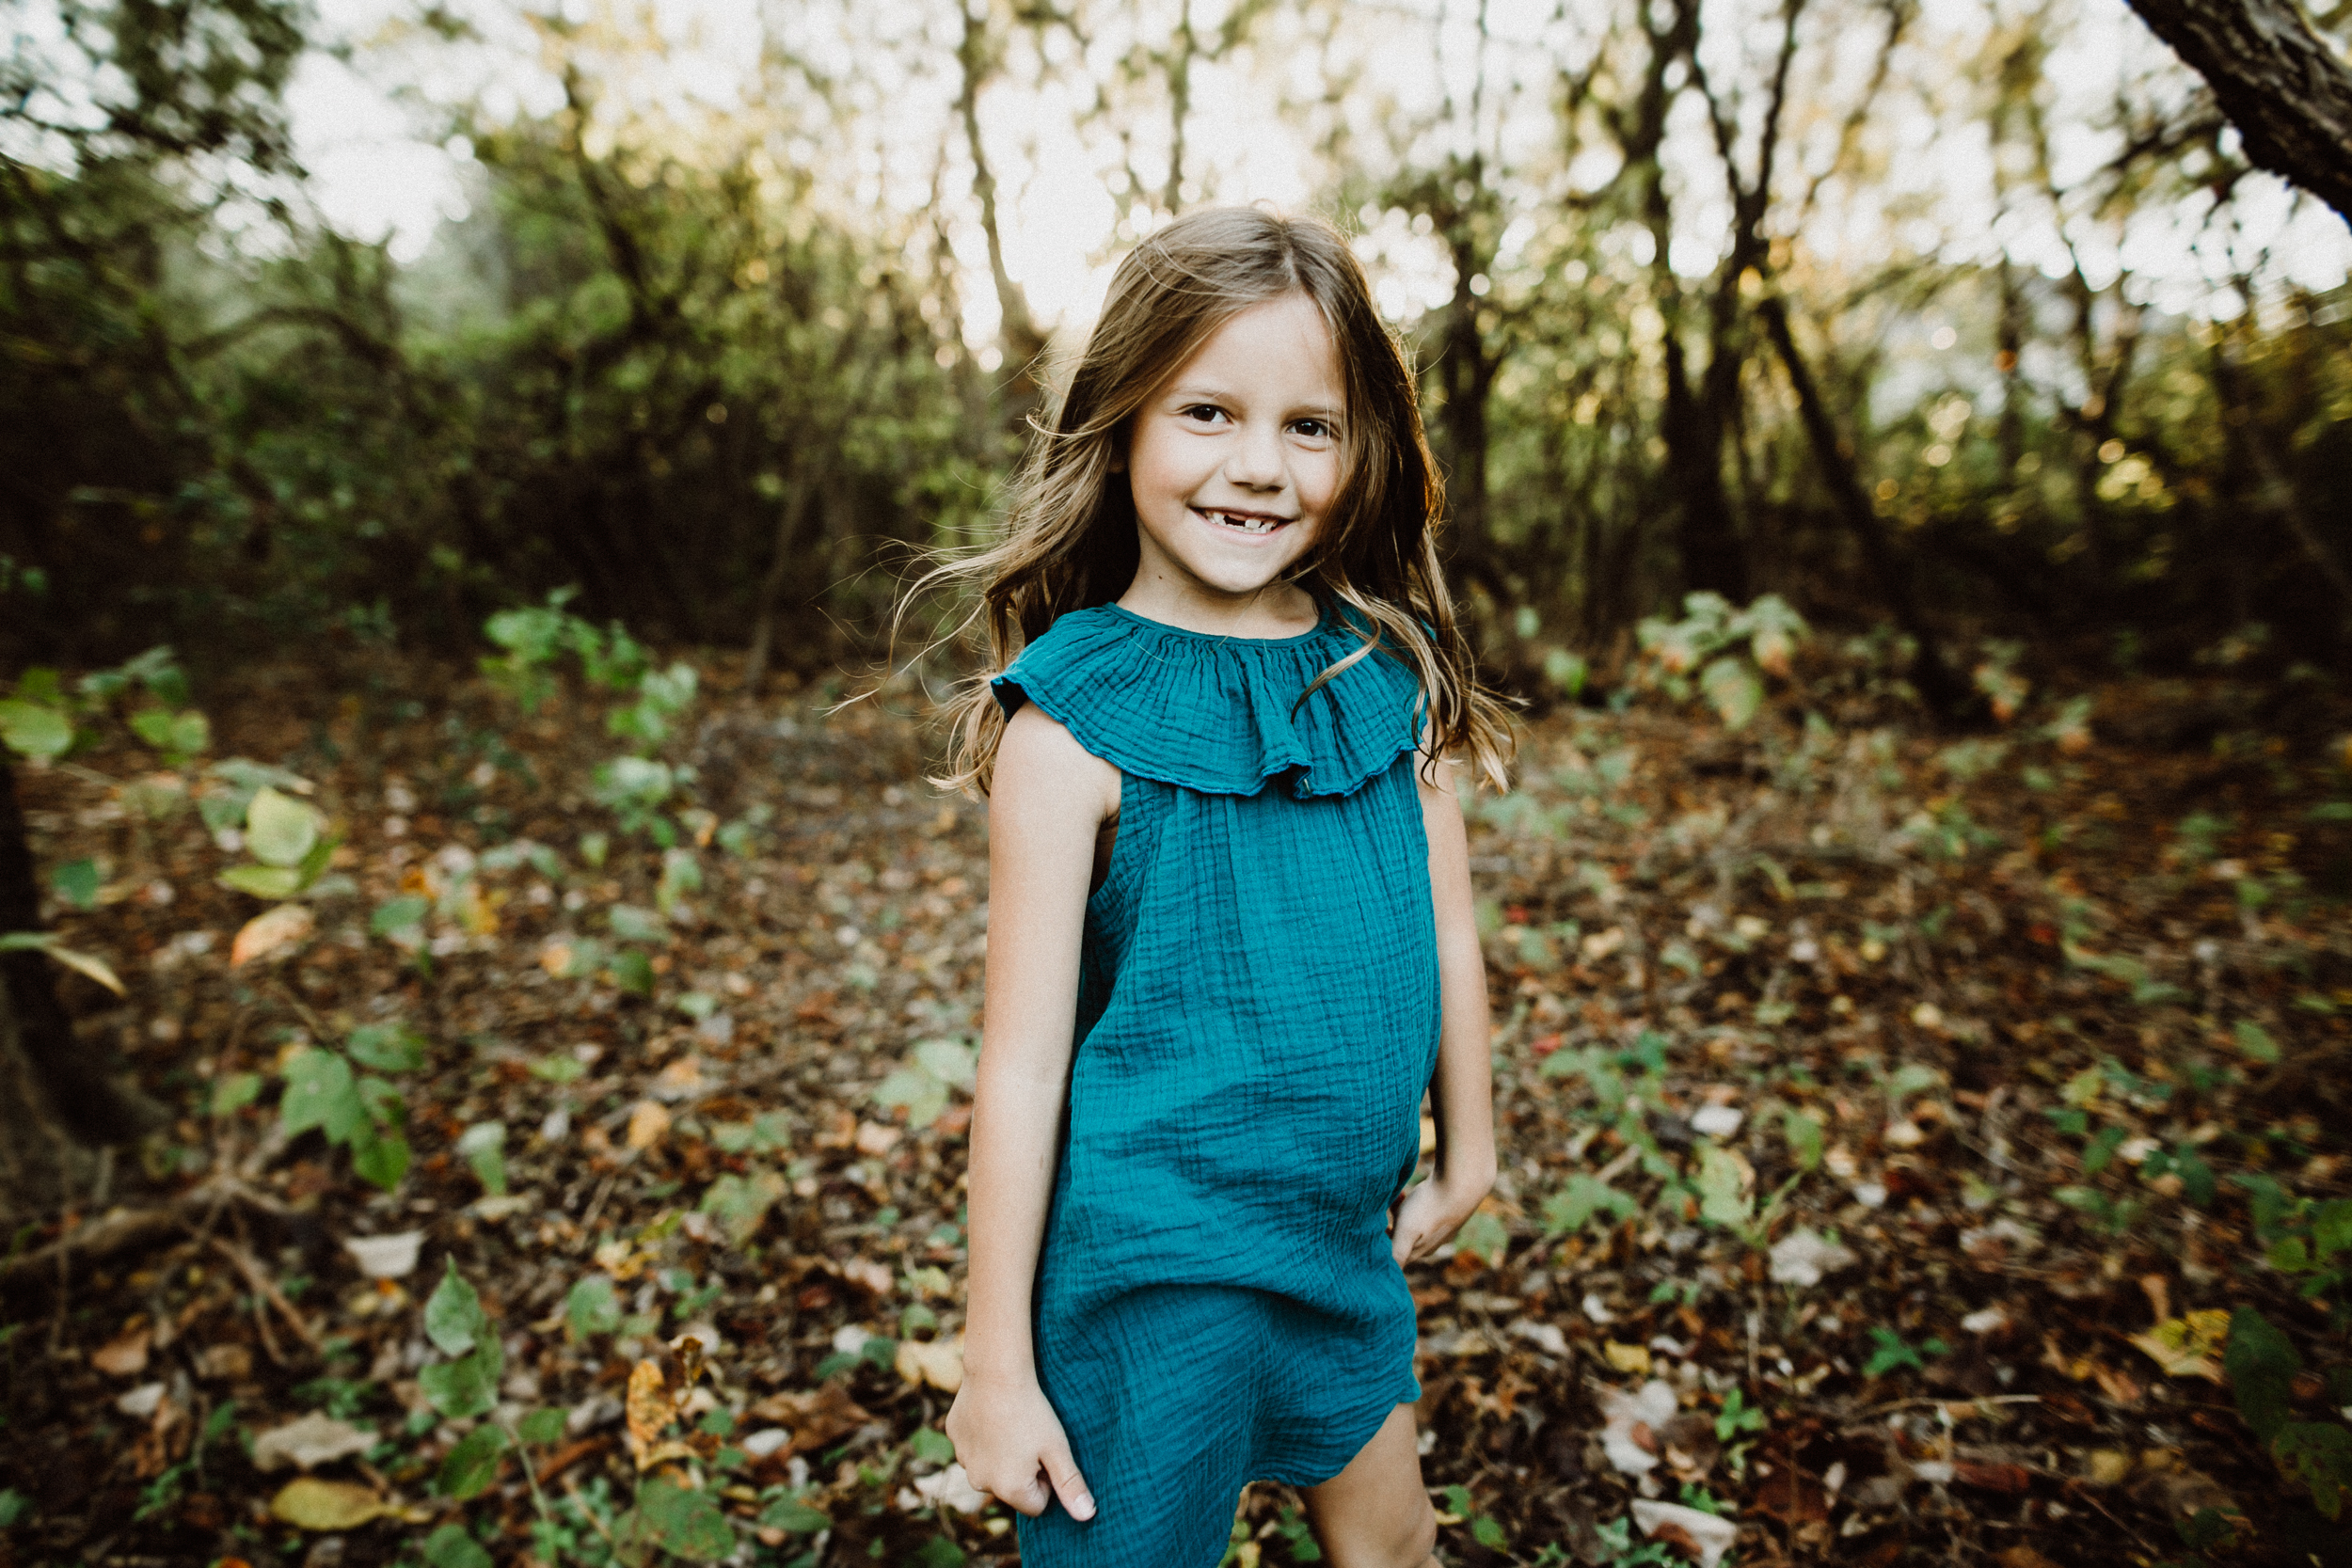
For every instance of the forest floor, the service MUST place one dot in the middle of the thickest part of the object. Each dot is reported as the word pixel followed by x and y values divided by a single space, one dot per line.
pixel 1888 1127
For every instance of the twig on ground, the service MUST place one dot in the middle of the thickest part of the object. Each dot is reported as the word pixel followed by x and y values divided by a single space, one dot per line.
pixel 267 1290
pixel 125 1231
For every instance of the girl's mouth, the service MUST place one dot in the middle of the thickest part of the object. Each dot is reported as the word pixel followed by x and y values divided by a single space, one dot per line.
pixel 1242 522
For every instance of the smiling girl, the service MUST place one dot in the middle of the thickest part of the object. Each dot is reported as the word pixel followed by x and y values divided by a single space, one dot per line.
pixel 1231 941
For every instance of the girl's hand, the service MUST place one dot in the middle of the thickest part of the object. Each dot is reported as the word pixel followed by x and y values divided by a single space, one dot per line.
pixel 1426 1215
pixel 1012 1447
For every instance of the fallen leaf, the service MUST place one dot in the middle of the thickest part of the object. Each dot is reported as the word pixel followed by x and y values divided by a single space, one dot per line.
pixel 1545 1337
pixel 650 1406
pixel 327 1506
pixel 1632 1423
pixel 2117 1383
pixel 648 1123
pixel 2022 1556
pixel 874 1138
pixel 870 1277
pixel 1805 1256
pixel 2187 1347
pixel 315 1439
pixel 680 1079
pixel 223 1363
pixel 1627 1358
pixel 2106 1466
pixel 1701 1534
pixel 951 1488
pixel 815 1419
pixel 1790 1497
pixel 268 932
pixel 1986 1320
pixel 1991 1477
pixel 392 1257
pixel 938 1362
pixel 766 1442
pixel 1717 1121
pixel 124 1356
pixel 140 1402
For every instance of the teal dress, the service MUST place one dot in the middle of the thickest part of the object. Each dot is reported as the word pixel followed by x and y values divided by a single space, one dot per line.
pixel 1258 1017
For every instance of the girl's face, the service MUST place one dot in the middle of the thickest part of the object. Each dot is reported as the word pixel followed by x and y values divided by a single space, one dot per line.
pixel 1235 458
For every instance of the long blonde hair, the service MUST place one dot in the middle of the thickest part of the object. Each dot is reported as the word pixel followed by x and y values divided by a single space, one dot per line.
pixel 1070 532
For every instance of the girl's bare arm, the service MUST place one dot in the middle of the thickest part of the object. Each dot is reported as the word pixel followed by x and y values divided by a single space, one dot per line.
pixel 1464 1085
pixel 1048 798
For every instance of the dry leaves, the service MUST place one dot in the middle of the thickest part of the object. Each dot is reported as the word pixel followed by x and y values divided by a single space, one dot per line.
pixel 648 1124
pixel 1632 1422
pixel 327 1506
pixel 2189 1346
pixel 1704 1535
pixel 125 1355
pixel 270 932
pixel 386 1257
pixel 814 1419
pixel 315 1439
pixel 938 1362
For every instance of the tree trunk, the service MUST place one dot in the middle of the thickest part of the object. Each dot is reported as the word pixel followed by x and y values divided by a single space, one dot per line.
pixel 1021 343
pixel 1936 682
pixel 72 1077
pixel 772 586
pixel 2280 84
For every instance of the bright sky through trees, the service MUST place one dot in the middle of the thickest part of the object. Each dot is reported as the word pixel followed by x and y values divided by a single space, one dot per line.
pixel 369 130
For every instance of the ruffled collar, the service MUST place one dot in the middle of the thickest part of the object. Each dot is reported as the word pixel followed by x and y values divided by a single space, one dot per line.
pixel 1215 713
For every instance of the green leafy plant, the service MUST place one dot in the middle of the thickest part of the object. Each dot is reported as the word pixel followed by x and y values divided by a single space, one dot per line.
pixel 355 1108
pixel 1483 1527
pixel 921 1084
pixel 636 788
pixel 2310 1240
pixel 1737 1426
pixel 1725 651
pixel 289 844
pixel 2262 1364
pixel 1890 1353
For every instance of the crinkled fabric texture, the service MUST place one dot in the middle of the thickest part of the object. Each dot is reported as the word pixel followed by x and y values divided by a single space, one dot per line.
pixel 1258 1018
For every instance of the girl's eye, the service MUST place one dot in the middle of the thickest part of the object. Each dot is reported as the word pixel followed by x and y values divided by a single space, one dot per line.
pixel 1204 412
pixel 1314 430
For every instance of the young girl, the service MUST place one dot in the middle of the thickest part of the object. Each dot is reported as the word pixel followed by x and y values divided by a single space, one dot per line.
pixel 1230 937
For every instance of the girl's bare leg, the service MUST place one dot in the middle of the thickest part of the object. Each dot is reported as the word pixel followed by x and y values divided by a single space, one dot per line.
pixel 1375 1513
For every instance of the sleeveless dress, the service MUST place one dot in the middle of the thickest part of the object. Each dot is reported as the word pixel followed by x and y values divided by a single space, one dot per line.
pixel 1257 1017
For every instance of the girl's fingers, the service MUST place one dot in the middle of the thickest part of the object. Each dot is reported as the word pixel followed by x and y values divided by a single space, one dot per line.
pixel 1034 1495
pixel 1069 1485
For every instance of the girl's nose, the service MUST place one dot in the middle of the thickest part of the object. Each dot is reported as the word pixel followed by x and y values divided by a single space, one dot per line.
pixel 1255 458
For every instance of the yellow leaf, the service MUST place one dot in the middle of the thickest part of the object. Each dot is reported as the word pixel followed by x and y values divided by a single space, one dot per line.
pixel 2187 1347
pixel 267 932
pixel 1627 1359
pixel 556 958
pixel 940 1363
pixel 478 913
pixel 2106 1466
pixel 327 1506
pixel 81 963
pixel 647 1124
pixel 666 1453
